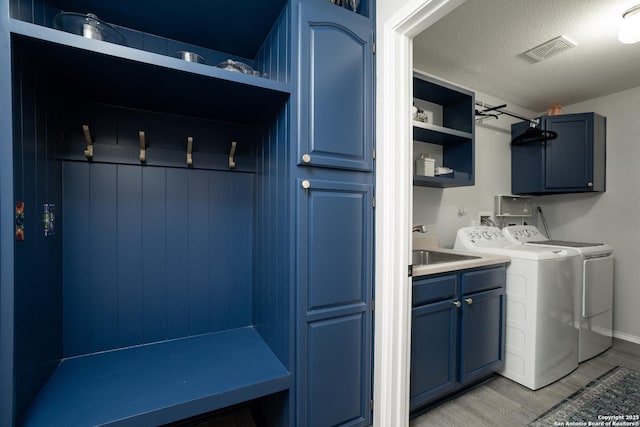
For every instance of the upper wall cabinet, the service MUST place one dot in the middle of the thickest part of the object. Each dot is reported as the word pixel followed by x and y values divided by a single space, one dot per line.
pixel 574 162
pixel 444 130
pixel 336 88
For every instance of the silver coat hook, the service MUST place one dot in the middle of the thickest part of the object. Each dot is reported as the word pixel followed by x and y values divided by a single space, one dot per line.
pixel 87 137
pixel 143 147
pixel 232 163
pixel 189 151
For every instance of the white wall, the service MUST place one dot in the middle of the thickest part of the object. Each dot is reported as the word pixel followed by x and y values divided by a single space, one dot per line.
pixel 446 210
pixel 612 217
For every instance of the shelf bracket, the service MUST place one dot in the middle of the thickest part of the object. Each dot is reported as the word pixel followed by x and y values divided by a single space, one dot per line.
pixel 88 152
pixel 190 151
pixel 232 163
pixel 143 147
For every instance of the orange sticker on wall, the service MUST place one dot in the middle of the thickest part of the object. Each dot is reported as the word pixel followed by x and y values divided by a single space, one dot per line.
pixel 19 220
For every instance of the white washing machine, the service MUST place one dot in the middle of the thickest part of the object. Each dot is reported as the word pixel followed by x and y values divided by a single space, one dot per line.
pixel 541 340
pixel 594 296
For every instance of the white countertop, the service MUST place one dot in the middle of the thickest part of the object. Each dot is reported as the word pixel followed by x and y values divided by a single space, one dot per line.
pixel 483 260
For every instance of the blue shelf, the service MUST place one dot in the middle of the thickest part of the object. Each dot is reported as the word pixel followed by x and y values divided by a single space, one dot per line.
pixel 426 132
pixel 213 24
pixel 456 179
pixel 456 134
pixel 159 383
pixel 120 75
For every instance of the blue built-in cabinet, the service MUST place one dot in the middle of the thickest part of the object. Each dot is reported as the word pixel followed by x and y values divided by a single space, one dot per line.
pixel 573 162
pixel 212 234
pixel 457 332
pixel 334 188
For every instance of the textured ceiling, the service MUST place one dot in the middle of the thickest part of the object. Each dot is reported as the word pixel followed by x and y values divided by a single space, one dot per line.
pixel 479 45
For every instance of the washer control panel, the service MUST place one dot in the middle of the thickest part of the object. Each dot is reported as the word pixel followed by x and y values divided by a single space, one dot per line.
pixel 523 233
pixel 481 236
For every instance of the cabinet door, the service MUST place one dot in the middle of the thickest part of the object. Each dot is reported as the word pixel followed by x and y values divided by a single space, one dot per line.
pixel 334 230
pixel 433 351
pixel 527 163
pixel 336 88
pixel 482 334
pixel 569 158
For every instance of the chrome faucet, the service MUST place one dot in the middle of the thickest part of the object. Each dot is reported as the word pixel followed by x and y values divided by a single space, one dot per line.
pixel 419 228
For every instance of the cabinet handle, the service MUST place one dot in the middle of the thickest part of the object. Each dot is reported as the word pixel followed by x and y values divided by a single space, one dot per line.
pixel 589 184
pixel 457 303
pixel 468 301
pixel 306 184
pixel 306 158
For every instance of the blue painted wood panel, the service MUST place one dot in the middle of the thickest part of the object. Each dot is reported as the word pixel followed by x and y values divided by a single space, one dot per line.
pixel 336 225
pixel 527 164
pixel 116 140
pixel 159 383
pixel 198 250
pixel 569 158
pixel 482 334
pixel 335 90
pixel 102 257
pixel 482 280
pixel 431 289
pixel 334 270
pixel 434 347
pixel 36 324
pixel 129 262
pixel 77 294
pixel 274 57
pixel 153 254
pixel 273 292
pixel 336 372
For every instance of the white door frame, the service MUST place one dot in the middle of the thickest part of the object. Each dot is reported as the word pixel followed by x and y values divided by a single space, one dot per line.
pixel 394 207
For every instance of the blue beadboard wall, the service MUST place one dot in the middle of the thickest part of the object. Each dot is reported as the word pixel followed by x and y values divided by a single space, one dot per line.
pixel 274 57
pixel 38 273
pixel 151 254
pixel 273 300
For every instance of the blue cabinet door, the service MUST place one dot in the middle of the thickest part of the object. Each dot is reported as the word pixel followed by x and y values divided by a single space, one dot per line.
pixel 482 334
pixel 569 158
pixel 527 164
pixel 434 339
pixel 336 88
pixel 334 280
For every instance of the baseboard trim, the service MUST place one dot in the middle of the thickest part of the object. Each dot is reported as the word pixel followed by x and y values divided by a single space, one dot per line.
pixel 626 337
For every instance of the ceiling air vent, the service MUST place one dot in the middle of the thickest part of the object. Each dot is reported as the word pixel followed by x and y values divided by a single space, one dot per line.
pixel 549 48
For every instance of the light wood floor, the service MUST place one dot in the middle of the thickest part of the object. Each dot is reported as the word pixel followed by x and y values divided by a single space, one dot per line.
pixel 502 402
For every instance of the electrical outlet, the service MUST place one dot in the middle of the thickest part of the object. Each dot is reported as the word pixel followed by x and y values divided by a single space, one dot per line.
pixel 484 215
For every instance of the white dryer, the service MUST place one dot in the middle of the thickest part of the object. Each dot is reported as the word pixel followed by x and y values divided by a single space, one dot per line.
pixel 594 294
pixel 541 340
